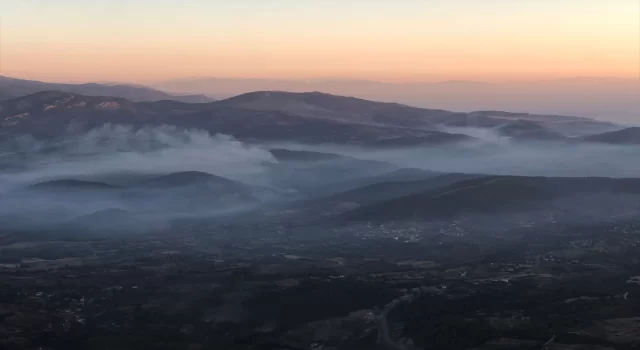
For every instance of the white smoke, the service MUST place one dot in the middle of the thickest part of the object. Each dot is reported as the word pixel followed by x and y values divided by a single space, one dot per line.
pixel 502 157
pixel 113 149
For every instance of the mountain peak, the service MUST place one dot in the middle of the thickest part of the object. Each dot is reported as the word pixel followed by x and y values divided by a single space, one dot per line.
pixel 275 94
pixel 316 104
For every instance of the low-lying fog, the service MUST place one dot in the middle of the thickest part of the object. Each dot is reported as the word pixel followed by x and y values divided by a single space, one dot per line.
pixel 115 150
pixel 119 178
pixel 495 154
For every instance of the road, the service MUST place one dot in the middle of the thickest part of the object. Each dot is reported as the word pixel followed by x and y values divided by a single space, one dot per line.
pixel 384 336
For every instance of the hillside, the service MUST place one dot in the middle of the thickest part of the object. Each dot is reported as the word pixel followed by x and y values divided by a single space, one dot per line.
pixel 490 195
pixel 190 178
pixel 316 173
pixel 75 204
pixel 385 190
pixel 110 222
pixel 540 101
pixel 268 116
pixel 527 130
pixel 12 88
pixel 287 155
pixel 71 185
pixel 628 136
pixel 51 113
pixel 321 105
pixel 193 190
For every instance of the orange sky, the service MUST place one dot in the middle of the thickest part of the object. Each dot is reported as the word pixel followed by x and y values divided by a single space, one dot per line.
pixel 146 41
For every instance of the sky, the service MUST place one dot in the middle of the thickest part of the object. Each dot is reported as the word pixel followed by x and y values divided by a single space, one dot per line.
pixel 146 41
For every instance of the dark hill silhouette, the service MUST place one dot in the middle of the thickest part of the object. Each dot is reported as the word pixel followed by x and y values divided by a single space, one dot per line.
pixel 186 178
pixel 283 154
pixel 193 191
pixel 12 87
pixel 369 177
pixel 314 173
pixel 628 136
pixel 322 105
pixel 382 191
pixel 490 195
pixel 274 116
pixel 527 130
pixel 71 185
pixel 50 114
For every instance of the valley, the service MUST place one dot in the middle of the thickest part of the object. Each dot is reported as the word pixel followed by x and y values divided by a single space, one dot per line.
pixel 312 221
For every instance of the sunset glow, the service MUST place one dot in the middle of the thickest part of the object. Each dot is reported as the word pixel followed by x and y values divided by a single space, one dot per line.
pixel 147 41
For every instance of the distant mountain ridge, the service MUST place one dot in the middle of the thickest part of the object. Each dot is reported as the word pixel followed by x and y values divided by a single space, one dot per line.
pixel 609 99
pixel 12 88
pixel 321 105
pixel 260 116
pixel 51 113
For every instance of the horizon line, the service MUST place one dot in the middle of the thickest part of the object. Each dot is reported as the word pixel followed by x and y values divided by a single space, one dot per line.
pixel 331 79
